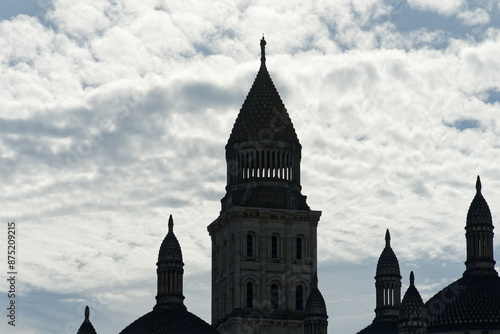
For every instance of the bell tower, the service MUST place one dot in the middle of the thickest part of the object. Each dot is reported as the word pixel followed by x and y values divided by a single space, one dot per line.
pixel 264 240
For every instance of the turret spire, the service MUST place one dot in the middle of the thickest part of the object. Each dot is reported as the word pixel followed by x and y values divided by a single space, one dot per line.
pixel 387 238
pixel 412 279
pixel 87 313
pixel 170 224
pixel 478 184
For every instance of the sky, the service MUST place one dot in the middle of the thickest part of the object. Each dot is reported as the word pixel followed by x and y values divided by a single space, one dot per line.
pixel 114 114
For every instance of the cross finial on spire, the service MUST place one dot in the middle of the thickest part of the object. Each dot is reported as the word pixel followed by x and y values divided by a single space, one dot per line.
pixel 87 313
pixel 478 184
pixel 263 49
pixel 412 279
pixel 170 224
pixel 387 238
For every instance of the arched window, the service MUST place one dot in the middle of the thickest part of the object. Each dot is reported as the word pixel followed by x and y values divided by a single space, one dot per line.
pixel 298 246
pixel 249 245
pixel 274 247
pixel 249 295
pixel 299 298
pixel 275 297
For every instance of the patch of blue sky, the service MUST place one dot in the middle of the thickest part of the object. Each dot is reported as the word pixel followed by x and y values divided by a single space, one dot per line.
pixel 12 8
pixel 407 19
pixel 464 124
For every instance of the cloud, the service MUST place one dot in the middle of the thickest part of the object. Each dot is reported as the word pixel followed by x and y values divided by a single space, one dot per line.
pixel 477 17
pixel 115 114
pixel 447 7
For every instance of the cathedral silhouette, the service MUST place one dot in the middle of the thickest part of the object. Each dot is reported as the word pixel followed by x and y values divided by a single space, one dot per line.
pixel 264 251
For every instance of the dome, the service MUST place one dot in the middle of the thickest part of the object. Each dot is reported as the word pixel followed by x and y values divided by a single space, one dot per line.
pixel 472 302
pixel 388 264
pixel 381 327
pixel 169 314
pixel 169 321
pixel 170 250
pixel 479 211
pixel 315 304
pixel 86 327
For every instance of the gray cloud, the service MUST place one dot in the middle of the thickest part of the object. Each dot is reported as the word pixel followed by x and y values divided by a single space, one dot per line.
pixel 115 114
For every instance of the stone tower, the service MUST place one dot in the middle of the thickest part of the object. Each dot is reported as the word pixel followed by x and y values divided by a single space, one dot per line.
pixel 264 240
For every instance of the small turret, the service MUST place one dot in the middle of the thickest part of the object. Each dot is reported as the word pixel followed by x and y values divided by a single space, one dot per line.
pixel 315 318
pixel 479 235
pixel 412 313
pixel 170 271
pixel 388 282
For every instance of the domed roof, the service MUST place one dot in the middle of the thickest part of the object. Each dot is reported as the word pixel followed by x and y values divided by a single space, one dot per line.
pixel 412 306
pixel 170 250
pixel 163 320
pixel 86 327
pixel 388 264
pixel 381 326
pixel 479 211
pixel 263 114
pixel 315 304
pixel 472 302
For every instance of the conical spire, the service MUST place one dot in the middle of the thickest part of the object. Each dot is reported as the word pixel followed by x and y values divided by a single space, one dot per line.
pixel 86 327
pixel 479 235
pixel 412 279
pixel 263 117
pixel 388 262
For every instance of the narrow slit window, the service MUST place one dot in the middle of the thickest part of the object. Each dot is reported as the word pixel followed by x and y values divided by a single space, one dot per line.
pixel 249 245
pixel 274 247
pixel 249 295
pixel 299 298
pixel 299 248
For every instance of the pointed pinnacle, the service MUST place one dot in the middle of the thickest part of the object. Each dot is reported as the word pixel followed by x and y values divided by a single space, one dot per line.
pixel 478 184
pixel 412 279
pixel 170 224
pixel 87 313
pixel 387 238
pixel 263 49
